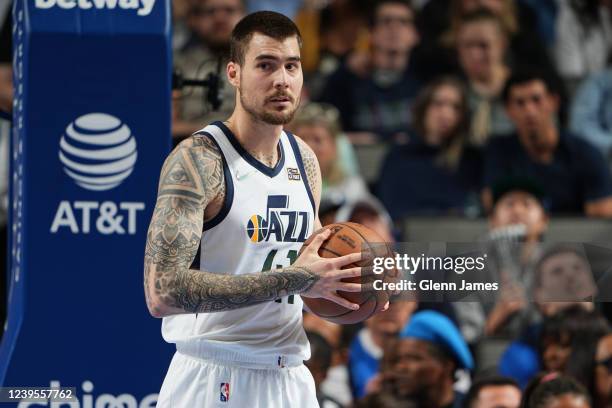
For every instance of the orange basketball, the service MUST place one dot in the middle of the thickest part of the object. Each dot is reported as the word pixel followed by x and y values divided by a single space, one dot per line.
pixel 347 238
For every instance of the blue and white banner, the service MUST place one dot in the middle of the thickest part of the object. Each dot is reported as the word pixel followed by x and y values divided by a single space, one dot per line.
pixel 91 130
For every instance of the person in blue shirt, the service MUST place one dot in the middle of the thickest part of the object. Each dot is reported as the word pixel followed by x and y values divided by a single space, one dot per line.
pixel 575 176
pixel 367 348
pixel 436 172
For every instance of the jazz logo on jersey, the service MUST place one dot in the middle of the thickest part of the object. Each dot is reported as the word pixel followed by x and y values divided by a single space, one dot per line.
pixel 293 173
pixel 279 223
pixel 224 392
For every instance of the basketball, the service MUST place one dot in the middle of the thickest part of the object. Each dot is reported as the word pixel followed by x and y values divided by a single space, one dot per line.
pixel 347 238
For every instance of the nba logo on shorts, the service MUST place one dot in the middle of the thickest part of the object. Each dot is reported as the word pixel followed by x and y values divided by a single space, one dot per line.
pixel 224 396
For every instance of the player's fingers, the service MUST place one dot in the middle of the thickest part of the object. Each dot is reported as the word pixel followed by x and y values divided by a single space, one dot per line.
pixel 342 301
pixel 347 273
pixel 349 287
pixel 318 241
pixel 347 259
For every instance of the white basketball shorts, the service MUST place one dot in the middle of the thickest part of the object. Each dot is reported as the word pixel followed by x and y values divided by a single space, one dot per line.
pixel 192 382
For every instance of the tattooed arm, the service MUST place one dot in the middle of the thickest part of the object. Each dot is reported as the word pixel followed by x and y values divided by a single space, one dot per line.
pixel 313 173
pixel 191 183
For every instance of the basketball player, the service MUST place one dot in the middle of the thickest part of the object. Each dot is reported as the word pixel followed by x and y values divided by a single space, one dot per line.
pixel 245 194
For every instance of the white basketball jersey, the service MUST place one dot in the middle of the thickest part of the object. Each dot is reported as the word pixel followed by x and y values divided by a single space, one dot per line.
pixel 267 214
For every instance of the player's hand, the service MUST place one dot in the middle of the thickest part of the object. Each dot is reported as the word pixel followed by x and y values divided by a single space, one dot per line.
pixel 330 272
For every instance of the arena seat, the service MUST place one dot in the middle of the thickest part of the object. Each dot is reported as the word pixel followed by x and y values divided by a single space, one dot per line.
pixel 457 229
pixel 370 158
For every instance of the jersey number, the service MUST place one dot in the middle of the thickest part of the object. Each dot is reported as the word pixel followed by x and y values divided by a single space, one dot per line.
pixel 291 256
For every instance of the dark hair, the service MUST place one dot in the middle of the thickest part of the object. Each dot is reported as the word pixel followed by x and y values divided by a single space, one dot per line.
pixel 268 23
pixel 441 353
pixel 373 16
pixel 587 12
pixel 580 330
pixel 453 150
pixel 542 390
pixel 491 381
pixel 525 75
pixel 321 350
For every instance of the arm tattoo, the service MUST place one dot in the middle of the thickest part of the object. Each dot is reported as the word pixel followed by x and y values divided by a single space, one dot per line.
pixel 311 167
pixel 207 292
pixel 191 179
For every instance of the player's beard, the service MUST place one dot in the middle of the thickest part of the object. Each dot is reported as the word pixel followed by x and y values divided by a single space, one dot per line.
pixel 271 118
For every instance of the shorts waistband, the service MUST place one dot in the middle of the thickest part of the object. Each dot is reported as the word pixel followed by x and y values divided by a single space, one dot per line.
pixel 206 351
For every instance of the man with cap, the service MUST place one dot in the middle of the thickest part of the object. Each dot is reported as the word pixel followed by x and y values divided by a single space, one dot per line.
pixel 421 368
pixel 517 224
pixel 519 201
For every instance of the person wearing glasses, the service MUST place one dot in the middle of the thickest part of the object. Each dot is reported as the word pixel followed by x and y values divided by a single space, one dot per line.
pixel 374 92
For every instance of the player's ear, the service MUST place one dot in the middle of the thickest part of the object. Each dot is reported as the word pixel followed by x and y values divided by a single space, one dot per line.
pixel 233 73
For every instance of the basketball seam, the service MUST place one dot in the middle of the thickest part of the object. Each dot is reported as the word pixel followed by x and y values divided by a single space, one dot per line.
pixel 350 311
pixel 331 252
pixel 362 237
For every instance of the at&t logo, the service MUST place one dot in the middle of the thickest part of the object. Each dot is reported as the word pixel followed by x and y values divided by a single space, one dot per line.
pixel 98 152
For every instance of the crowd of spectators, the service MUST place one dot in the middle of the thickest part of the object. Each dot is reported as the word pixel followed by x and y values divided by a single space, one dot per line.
pixel 498 109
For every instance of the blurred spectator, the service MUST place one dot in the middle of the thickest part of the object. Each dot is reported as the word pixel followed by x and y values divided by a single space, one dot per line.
pixel 519 202
pixel 336 383
pixel 374 94
pixel 371 342
pixel 591 114
pixel 319 363
pixel 435 172
pixel 584 38
pixel 562 341
pixel 421 367
pixel 331 31
pixel 603 373
pixel 318 125
pixel 439 19
pixel 493 392
pixel 519 22
pixel 553 283
pixel 556 391
pixel 211 22
pixel 573 173
pixel 564 275
pixel 517 224
pixel 569 342
pixel 370 213
pixel 180 30
pixel 481 43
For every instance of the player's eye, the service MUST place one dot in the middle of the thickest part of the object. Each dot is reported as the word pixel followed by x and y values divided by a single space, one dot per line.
pixel 263 65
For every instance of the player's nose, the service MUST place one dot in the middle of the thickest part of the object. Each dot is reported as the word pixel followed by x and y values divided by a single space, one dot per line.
pixel 281 79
